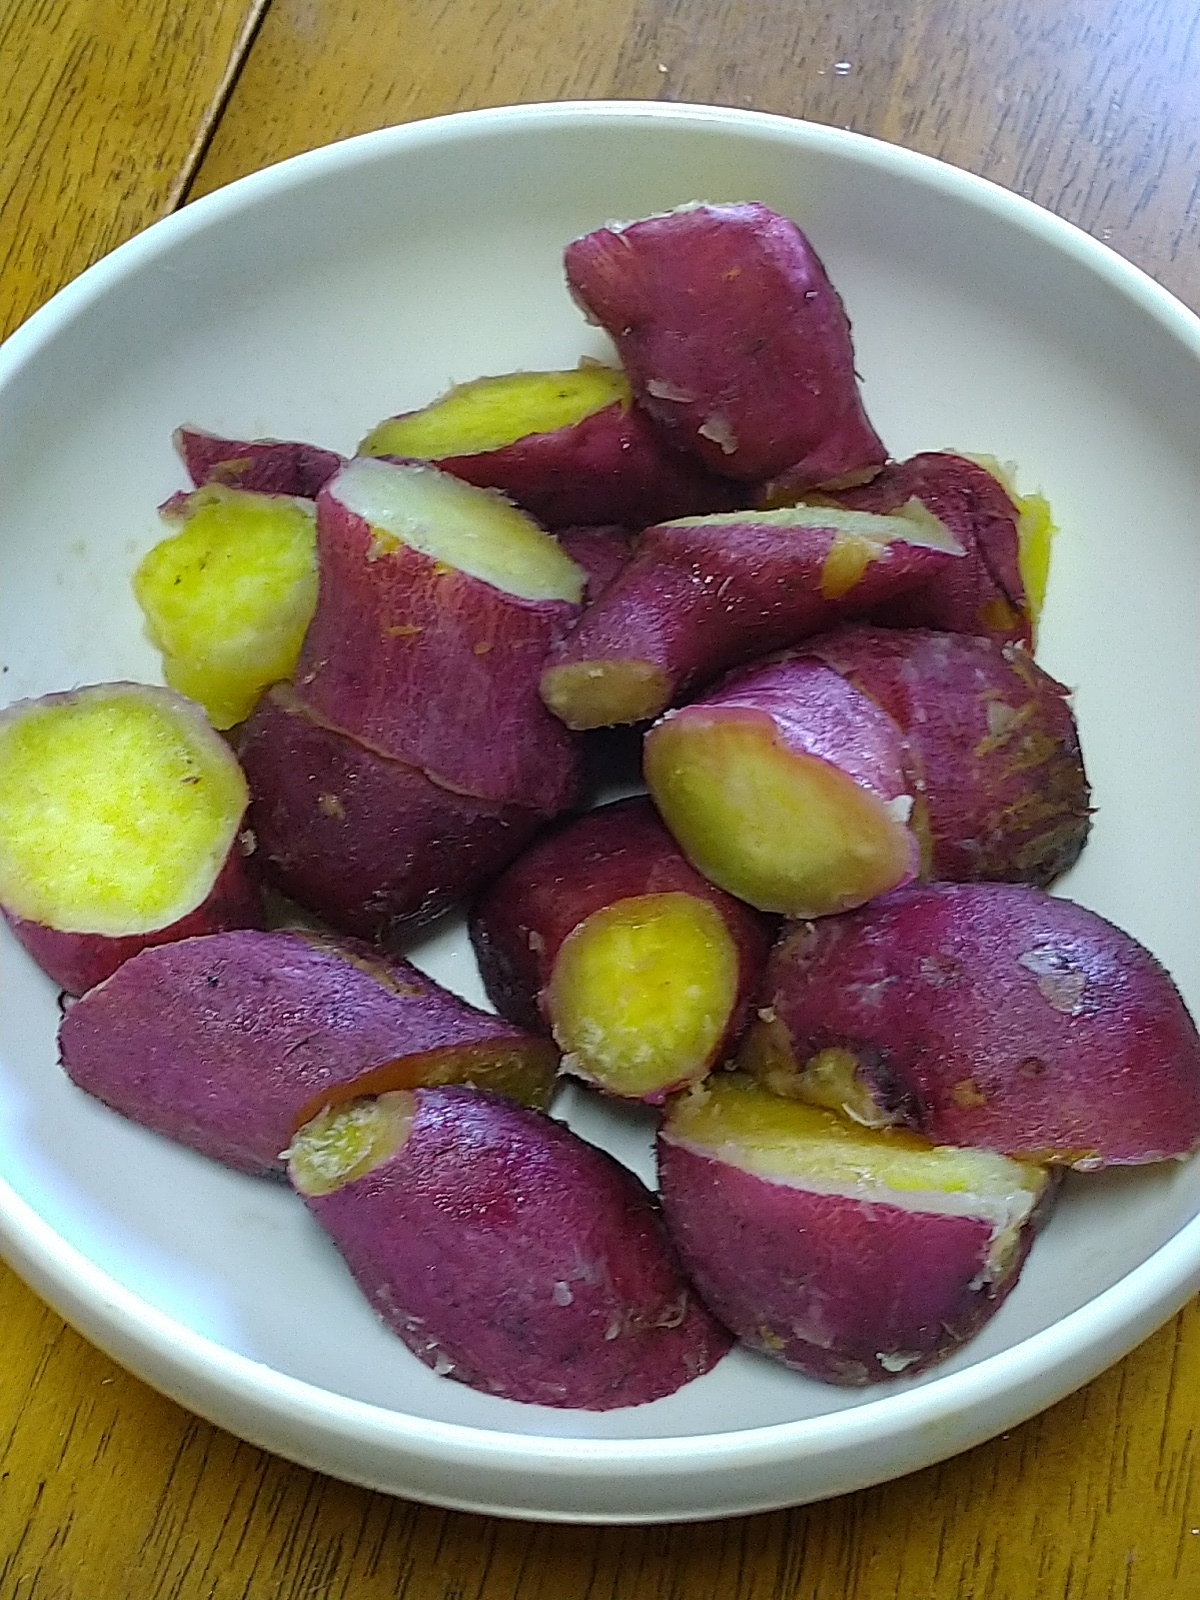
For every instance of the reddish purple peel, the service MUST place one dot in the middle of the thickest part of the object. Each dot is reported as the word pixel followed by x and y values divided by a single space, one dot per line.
pixel 223 1043
pixel 991 749
pixel 699 597
pixel 600 551
pixel 734 339
pixel 845 1290
pixel 369 844
pixel 434 667
pixel 510 1255
pixel 989 1015
pixel 983 594
pixel 267 466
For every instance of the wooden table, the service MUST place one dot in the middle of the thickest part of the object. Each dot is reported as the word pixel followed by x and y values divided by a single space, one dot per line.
pixel 113 114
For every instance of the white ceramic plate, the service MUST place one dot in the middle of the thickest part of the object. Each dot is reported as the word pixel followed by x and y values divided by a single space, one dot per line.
pixel 309 301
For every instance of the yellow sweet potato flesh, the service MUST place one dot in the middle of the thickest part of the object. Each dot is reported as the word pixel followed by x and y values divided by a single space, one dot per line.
pixel 346 1142
pixel 116 811
pixel 228 598
pixel 489 413
pixel 642 991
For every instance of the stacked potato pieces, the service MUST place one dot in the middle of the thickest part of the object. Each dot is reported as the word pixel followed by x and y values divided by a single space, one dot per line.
pixel 821 943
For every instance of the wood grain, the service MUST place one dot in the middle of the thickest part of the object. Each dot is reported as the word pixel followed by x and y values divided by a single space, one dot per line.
pixel 109 1491
pixel 104 111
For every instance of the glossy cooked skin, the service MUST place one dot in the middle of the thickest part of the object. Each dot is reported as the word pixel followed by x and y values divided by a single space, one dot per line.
pixel 982 594
pixel 511 1255
pixel 734 339
pixel 992 749
pixel 844 1289
pixel 435 667
pixel 697 598
pixel 990 1015
pixel 371 845
pixel 268 466
pixel 611 854
pixel 225 1043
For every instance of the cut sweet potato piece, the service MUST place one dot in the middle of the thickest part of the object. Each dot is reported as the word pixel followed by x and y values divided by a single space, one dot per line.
pixel 120 826
pixel 734 339
pixel 505 1251
pixel 569 447
pixel 438 603
pixel 990 1015
pixel 701 595
pixel 227 1043
pixel 266 466
pixel 853 1255
pixel 371 845
pixel 603 932
pixel 228 596
pixel 786 787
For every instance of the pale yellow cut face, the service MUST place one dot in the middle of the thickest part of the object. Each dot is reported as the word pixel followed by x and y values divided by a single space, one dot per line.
pixel 228 598
pixel 118 808
pixel 489 413
pixel 346 1143
pixel 472 530
pixel 604 694
pixel 642 992
pixel 789 833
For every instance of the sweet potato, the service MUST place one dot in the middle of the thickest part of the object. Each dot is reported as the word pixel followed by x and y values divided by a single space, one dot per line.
pixel 120 826
pixel 603 932
pixel 267 466
pixel 504 1251
pixel 734 339
pixel 786 786
pixel 852 1255
pixel 569 447
pixel 1003 535
pixel 704 594
pixel 226 1043
pixel 438 603
pixel 371 845
pixel 228 596
pixel 991 1015
pixel 601 551
pixel 991 749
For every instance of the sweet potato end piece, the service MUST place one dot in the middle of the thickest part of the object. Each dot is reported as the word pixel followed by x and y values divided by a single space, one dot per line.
pixel 641 994
pixel 787 832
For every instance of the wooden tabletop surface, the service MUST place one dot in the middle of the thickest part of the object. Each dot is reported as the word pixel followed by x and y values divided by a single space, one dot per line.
pixel 113 114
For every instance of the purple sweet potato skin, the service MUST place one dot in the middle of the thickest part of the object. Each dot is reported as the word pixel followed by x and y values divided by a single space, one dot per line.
pixel 991 746
pixel 613 466
pixel 601 551
pixel 435 668
pixel 509 1254
pixel 825 1283
pixel 79 961
pixel 267 466
pixel 983 593
pixel 996 1016
pixel 734 339
pixel 221 1043
pixel 373 846
pixel 617 851
pixel 698 598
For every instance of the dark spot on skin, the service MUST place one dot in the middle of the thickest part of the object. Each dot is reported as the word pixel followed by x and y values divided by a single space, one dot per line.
pixel 1032 1067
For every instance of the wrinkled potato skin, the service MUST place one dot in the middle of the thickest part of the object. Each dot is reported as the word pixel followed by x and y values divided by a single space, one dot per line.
pixel 267 466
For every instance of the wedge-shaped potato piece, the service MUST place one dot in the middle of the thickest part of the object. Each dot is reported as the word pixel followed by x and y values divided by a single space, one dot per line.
pixel 853 1255
pixel 226 1043
pixel 570 447
pixel 266 466
pixel 120 826
pixel 371 845
pixel 228 596
pixel 438 603
pixel 991 749
pixel 734 339
pixel 604 932
pixel 991 1015
pixel 704 594
pixel 505 1251
pixel 786 786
